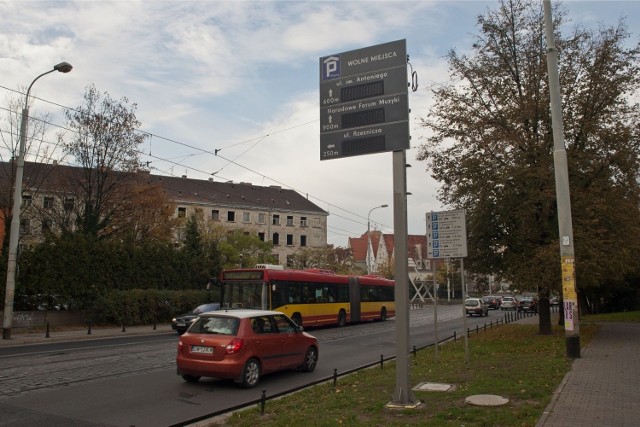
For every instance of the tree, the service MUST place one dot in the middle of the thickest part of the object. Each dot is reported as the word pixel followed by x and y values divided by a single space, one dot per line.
pixel 337 259
pixel 145 214
pixel 239 248
pixel 105 144
pixel 491 147
pixel 36 146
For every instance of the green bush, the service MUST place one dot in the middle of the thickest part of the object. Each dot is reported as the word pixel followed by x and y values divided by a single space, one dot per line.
pixel 146 306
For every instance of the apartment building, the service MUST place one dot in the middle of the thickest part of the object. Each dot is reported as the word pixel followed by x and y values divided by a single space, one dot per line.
pixel 281 216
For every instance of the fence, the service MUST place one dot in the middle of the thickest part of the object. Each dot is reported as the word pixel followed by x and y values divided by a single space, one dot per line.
pixel 507 318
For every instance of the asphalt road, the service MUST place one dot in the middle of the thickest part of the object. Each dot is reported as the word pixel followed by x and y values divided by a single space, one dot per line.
pixel 133 382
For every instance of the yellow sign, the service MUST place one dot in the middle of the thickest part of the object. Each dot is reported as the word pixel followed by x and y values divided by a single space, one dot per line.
pixel 568 279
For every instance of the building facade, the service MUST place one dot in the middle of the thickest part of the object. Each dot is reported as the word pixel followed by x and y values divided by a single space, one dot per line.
pixel 281 216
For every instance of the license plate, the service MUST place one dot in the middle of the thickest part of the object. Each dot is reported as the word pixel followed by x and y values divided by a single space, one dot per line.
pixel 201 349
pixel 180 324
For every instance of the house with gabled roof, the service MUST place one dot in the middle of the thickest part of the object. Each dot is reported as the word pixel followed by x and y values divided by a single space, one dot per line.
pixel 380 248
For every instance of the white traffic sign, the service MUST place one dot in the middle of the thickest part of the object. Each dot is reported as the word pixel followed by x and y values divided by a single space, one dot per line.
pixel 446 234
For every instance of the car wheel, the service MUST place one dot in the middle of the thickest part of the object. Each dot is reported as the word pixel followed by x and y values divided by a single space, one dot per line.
pixel 191 378
pixel 251 373
pixel 310 359
pixel 342 318
pixel 297 318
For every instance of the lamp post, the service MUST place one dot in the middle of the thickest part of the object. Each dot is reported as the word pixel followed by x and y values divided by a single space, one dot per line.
pixel 63 67
pixel 369 236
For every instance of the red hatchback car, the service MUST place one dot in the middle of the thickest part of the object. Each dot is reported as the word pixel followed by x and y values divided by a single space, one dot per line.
pixel 243 345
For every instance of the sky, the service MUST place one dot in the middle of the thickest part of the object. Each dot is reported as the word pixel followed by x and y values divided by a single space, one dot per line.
pixel 230 89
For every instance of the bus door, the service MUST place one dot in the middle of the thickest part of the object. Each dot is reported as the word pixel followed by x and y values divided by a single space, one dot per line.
pixel 354 299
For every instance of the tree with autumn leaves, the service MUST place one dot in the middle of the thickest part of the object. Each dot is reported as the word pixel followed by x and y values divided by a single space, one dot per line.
pixel 491 147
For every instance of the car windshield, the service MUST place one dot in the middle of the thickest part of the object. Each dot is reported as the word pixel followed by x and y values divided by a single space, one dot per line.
pixel 215 325
pixel 471 302
pixel 206 307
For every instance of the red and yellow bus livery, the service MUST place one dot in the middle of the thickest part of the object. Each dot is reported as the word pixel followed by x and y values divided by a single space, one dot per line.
pixel 310 297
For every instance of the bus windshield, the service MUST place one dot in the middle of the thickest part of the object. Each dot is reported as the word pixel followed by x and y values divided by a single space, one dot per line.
pixel 248 294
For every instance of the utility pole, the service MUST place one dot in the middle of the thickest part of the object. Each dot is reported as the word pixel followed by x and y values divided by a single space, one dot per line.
pixel 565 228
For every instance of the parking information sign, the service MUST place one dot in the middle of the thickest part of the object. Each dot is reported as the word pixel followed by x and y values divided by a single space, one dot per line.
pixel 364 104
pixel 446 234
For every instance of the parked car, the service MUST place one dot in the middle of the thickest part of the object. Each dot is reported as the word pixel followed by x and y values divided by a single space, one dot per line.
pixel 476 306
pixel 554 301
pixel 181 323
pixel 242 345
pixel 529 304
pixel 509 303
pixel 492 301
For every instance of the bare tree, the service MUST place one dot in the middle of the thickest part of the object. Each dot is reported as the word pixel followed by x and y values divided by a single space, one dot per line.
pixel 104 143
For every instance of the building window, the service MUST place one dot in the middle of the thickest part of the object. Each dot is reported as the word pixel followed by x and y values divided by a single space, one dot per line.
pixel 303 221
pixel 246 217
pixel 182 212
pixel 275 219
pixel 68 204
pixel 46 226
pixel 303 241
pixel 25 225
pixel 48 203
pixel 289 220
pixel 289 239
pixel 26 200
pixel 231 216
pixel 276 239
pixel 261 236
pixel 262 218
pixel 289 260
pixel 215 214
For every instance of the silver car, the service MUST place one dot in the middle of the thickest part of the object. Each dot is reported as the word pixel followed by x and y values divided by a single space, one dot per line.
pixel 509 303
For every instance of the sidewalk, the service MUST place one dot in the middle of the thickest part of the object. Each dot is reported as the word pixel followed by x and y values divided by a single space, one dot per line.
pixel 23 337
pixel 603 387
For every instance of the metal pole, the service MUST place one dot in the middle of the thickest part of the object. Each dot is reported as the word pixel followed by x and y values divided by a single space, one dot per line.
pixel 403 395
pixel 435 307
pixel 565 228
pixel 7 321
pixel 463 289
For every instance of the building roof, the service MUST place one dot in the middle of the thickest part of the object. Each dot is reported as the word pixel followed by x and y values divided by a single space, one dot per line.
pixel 195 191
pixel 182 190
pixel 358 245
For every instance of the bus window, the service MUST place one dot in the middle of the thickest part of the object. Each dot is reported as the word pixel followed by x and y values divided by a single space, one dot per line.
pixel 278 295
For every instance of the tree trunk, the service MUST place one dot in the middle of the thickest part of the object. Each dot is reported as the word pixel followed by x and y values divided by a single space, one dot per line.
pixel 544 314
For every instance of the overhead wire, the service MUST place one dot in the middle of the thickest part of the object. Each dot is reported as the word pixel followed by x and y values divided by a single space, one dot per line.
pixel 214 153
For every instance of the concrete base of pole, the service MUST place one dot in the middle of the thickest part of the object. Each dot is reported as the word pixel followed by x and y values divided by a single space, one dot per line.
pixel 573 347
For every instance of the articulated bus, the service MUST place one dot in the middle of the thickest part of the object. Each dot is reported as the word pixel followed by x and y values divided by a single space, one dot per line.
pixel 310 297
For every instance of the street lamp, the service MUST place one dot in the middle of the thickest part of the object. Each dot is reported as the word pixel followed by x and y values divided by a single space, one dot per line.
pixel 63 67
pixel 369 236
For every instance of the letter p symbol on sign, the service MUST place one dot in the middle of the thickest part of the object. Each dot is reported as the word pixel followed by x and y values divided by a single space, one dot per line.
pixel 331 67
